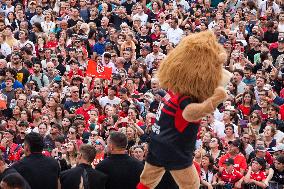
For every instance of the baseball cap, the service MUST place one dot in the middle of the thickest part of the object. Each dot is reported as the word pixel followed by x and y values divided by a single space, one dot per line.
pixel 261 162
pixel 24 123
pixel 137 75
pixel 46 153
pixel 261 149
pixel 53 56
pixel 116 76
pixel 281 40
pixel 79 117
pixel 12 132
pixel 100 141
pixel 146 47
pixel 279 147
pixel 156 43
pixel 263 17
pixel 229 161
pixel 162 93
pixel 236 143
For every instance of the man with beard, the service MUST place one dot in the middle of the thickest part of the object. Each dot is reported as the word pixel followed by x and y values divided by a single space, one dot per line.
pixel 40 78
pixel 271 35
pixel 22 72
pixel 277 52
pixel 86 107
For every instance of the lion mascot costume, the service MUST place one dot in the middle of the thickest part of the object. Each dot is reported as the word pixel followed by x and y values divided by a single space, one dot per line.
pixel 194 77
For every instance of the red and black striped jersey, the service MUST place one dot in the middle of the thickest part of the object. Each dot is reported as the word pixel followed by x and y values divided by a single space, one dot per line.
pixel 173 138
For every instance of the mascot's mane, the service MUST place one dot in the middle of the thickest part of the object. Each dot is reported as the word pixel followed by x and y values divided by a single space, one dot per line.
pixel 194 67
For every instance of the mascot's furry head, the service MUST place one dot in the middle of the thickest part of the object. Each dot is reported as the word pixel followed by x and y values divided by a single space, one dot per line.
pixel 195 67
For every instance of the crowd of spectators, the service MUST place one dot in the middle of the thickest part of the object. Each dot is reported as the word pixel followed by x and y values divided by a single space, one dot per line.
pixel 45 48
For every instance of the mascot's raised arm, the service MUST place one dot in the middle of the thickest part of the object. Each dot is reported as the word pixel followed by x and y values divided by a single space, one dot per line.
pixel 194 76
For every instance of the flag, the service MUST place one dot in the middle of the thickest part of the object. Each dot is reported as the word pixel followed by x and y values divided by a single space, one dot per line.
pixel 98 71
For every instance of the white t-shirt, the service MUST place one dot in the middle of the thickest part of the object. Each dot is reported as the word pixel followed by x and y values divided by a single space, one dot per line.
pixel 105 100
pixel 174 35
pixel 143 18
pixel 279 136
pixel 219 128
pixel 5 49
pixel 281 27
pixel 263 7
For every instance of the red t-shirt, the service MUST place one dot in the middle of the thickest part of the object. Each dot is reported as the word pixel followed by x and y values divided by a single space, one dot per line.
pixel 245 110
pixel 258 176
pixel 85 114
pixel 232 178
pixel 99 157
pixel 239 161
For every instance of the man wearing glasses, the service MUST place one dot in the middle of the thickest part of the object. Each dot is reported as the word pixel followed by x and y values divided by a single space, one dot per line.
pixel 74 103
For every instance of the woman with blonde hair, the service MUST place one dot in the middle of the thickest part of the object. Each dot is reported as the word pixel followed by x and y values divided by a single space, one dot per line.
pixel 71 154
pixel 132 136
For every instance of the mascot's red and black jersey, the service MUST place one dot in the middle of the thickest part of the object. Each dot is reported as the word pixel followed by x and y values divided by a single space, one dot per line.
pixel 173 138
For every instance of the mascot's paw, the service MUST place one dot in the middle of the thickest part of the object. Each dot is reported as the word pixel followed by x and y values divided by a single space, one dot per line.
pixel 195 111
pixel 219 95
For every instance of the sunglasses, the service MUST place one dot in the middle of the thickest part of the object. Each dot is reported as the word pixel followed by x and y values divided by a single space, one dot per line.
pixel 97 88
pixel 71 133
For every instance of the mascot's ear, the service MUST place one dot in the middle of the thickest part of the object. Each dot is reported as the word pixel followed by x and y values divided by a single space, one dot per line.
pixel 226 76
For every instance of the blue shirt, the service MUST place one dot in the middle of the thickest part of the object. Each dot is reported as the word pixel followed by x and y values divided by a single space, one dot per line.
pixel 16 85
pixel 99 48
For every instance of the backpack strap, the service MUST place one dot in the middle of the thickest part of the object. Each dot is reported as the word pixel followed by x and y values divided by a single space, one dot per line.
pixel 41 80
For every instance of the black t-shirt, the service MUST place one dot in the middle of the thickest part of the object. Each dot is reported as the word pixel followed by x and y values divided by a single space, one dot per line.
pixel 117 21
pixel 39 171
pixel 152 18
pixel 23 75
pixel 97 21
pixel 251 54
pixel 277 176
pixel 103 31
pixel 61 68
pixel 72 22
pixel 173 138
pixel 71 106
pixel 128 7
pixel 270 37
pixel 122 170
